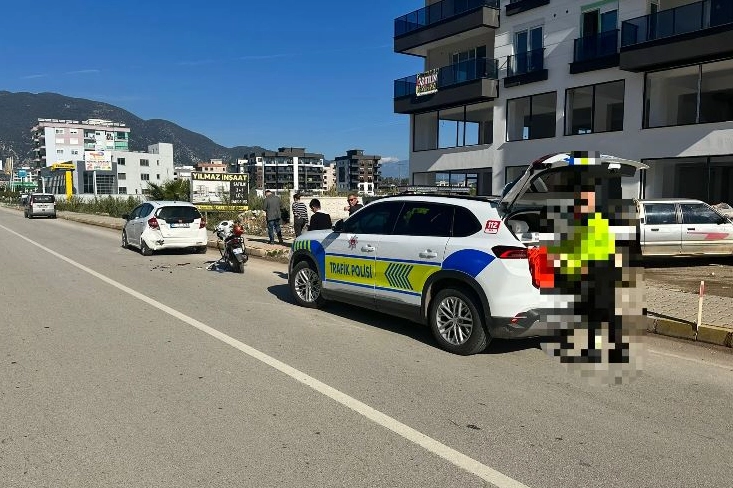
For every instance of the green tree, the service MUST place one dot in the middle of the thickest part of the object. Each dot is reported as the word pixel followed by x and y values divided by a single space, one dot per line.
pixel 170 190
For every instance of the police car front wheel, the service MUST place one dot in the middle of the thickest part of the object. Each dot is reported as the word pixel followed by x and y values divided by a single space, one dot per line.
pixel 305 285
pixel 456 322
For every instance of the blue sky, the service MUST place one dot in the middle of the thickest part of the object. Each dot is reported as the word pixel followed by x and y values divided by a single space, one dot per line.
pixel 312 74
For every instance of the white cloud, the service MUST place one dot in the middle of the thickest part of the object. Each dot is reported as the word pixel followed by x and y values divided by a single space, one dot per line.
pixel 389 159
pixel 29 77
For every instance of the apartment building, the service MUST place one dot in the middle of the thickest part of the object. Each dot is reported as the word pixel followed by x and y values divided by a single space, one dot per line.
pixel 357 171
pixel 507 81
pixel 99 150
pixel 288 168
pixel 329 176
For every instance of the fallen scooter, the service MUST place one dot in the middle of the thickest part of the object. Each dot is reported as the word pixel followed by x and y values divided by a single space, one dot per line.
pixel 234 251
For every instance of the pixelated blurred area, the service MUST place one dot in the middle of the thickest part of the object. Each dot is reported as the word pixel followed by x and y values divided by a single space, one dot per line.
pixel 588 266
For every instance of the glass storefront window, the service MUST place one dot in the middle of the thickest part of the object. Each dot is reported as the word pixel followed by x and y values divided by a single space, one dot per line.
pixel 671 97
pixel 595 108
pixel 716 92
pixel 454 127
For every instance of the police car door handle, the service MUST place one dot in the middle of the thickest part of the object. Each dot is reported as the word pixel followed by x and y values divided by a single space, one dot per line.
pixel 428 254
pixel 368 248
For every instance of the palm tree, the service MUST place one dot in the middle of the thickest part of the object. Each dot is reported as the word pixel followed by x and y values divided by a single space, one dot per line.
pixel 170 190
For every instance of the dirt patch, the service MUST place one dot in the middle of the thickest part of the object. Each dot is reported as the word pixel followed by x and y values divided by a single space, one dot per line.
pixel 685 274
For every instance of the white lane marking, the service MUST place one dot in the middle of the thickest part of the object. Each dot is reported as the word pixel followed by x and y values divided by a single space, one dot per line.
pixel 697 361
pixel 428 443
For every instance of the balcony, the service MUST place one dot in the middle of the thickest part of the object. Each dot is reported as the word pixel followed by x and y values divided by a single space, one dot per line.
pixel 518 6
pixel 595 52
pixel 469 81
pixel 419 31
pixel 527 67
pixel 695 32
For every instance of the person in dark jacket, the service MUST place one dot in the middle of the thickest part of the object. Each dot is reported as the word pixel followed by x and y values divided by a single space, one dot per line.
pixel 273 206
pixel 354 204
pixel 319 220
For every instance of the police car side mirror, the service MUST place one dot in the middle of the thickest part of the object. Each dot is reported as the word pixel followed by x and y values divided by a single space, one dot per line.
pixel 339 226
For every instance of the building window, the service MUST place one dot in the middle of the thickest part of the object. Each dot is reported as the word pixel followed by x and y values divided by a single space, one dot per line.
pixel 122 190
pixel 466 125
pixel 74 141
pixel 512 173
pixel 144 162
pixel 531 117
pixel 594 108
pixel 528 51
pixel 59 131
pixel 105 184
pixel 697 94
pixel 88 182
pixel 121 176
pixel 74 152
pixel 60 151
pixel 121 161
pixel 157 177
pixel 73 131
pixel 144 177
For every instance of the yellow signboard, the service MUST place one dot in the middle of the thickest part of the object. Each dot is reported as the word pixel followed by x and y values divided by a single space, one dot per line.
pixel 56 166
pixel 222 207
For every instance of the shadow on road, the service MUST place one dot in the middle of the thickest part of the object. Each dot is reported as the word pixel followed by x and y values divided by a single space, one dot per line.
pixel 404 327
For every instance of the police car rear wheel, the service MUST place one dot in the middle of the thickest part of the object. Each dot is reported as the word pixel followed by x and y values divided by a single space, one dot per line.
pixel 305 285
pixel 456 322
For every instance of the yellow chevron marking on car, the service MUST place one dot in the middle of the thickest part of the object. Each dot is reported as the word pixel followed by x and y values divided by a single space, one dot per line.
pixel 302 245
pixel 391 275
pixel 358 271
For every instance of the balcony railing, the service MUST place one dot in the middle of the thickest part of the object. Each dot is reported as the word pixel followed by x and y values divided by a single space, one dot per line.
pixel 438 12
pixel 454 74
pixel 692 17
pixel 596 46
pixel 527 62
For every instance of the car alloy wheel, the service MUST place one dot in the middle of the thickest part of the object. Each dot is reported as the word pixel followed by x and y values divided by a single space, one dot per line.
pixel 305 284
pixel 454 320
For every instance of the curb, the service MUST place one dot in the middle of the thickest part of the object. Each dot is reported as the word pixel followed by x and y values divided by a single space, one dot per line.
pixel 709 334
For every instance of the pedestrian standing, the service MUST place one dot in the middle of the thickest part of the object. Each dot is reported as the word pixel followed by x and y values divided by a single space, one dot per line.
pixel 319 220
pixel 273 213
pixel 353 201
pixel 300 215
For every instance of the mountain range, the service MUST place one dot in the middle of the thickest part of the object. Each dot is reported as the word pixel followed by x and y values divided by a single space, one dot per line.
pixel 19 112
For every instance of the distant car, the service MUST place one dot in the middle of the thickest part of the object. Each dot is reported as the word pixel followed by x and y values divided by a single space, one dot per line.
pixel 39 204
pixel 157 225
pixel 683 227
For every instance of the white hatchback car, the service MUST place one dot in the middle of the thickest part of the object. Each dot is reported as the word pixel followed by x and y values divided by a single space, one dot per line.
pixel 459 264
pixel 156 225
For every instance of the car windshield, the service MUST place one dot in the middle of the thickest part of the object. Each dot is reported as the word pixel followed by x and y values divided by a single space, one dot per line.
pixel 176 213
pixel 43 198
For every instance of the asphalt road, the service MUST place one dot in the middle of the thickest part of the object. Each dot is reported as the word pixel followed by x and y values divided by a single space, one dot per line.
pixel 123 370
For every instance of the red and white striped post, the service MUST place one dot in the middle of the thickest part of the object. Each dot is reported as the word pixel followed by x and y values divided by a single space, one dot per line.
pixel 699 307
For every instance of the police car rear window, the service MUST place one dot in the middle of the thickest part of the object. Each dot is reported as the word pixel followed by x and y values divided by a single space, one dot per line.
pixel 185 214
pixel 465 223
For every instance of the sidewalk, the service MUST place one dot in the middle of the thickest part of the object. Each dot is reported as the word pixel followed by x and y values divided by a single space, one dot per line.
pixel 671 312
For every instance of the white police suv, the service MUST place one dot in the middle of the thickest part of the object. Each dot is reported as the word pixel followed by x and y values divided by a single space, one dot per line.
pixel 457 263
